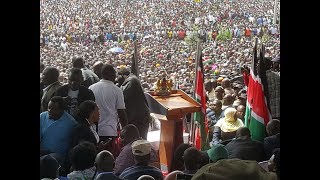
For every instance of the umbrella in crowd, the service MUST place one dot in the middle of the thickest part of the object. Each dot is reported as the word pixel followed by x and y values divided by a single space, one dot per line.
pixel 116 50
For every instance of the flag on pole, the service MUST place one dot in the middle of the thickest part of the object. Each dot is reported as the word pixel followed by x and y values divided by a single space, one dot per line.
pixel 134 61
pixel 257 113
pixel 201 141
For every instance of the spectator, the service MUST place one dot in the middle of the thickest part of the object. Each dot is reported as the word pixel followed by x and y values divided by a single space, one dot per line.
pixel 89 77
pixel 217 152
pixel 128 135
pixel 50 80
pixel 225 128
pixel 274 162
pixel 192 160
pixel 241 111
pixel 97 68
pixel 56 129
pixel 178 162
pixel 273 140
pixel 105 163
pixel 74 92
pixel 243 147
pixel 141 150
pixel 49 168
pixel 82 158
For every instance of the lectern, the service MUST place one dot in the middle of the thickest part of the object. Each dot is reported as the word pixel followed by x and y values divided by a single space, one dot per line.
pixel 170 110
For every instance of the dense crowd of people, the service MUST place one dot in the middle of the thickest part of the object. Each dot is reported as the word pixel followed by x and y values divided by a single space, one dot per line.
pixel 94 118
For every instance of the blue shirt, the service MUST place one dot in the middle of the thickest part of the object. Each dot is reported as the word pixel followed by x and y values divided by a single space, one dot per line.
pixel 56 135
pixel 134 172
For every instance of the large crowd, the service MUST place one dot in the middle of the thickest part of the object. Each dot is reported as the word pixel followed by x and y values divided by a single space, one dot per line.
pixel 77 35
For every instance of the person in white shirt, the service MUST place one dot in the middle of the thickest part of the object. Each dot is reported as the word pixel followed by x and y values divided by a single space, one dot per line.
pixel 110 100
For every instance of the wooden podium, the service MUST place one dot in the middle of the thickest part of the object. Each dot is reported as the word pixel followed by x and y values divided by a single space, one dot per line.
pixel 171 110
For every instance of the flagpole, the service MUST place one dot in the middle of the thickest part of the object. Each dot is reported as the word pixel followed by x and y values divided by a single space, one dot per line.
pixel 193 126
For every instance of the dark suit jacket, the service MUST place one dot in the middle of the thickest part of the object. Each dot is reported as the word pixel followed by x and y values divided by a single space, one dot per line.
pixel 84 93
pixel 83 132
pixel 246 149
pixel 270 143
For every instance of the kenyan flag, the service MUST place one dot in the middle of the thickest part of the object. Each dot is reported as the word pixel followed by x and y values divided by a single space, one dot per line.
pixel 257 112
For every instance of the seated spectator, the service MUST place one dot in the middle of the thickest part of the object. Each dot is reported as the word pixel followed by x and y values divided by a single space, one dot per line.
pixel 214 112
pixel 273 140
pixel 87 116
pixel 243 147
pixel 225 128
pixel 217 152
pixel 141 150
pixel 178 163
pixel 219 92
pixel 82 158
pixel 241 111
pixel 104 164
pixel 192 160
pixel 56 129
pixel 235 169
pixel 129 134
pixel 49 168
pixel 73 92
pixel 227 101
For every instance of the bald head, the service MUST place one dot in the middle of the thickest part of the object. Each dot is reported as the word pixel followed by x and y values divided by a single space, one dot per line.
pixel 104 161
pixel 227 100
pixel 226 83
pixel 273 127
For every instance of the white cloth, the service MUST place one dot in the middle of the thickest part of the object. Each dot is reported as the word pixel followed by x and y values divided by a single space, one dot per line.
pixel 109 98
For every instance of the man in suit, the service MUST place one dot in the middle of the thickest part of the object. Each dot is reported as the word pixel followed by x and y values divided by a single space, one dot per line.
pixel 50 79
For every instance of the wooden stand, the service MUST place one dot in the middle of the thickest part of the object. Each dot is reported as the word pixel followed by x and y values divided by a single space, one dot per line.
pixel 171 110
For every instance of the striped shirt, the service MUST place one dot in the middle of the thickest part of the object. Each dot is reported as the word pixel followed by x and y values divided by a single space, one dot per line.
pixel 134 172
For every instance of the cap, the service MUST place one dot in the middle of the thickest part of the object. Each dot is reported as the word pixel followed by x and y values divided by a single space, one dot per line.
pixel 217 152
pixel 141 147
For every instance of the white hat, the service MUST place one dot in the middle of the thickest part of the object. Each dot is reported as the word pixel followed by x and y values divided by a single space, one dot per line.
pixel 141 147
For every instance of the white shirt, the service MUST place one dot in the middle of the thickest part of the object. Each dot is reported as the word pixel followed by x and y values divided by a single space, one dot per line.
pixel 109 99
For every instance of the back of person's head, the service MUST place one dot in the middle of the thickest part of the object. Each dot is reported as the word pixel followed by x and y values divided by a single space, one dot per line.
pixel 75 72
pixel 108 72
pixel 141 150
pixel 225 83
pixel 49 167
pixel 78 62
pixel 229 114
pixel 243 132
pixel 146 177
pixel 85 109
pixel 178 156
pixel 274 161
pixel 217 152
pixel 83 155
pixel 273 127
pixel 227 100
pixel 104 161
pixel 191 158
pixel 235 169
pixel 50 75
pixel 129 133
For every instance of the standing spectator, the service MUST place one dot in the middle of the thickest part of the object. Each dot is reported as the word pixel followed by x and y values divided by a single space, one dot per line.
pixel 50 80
pixel 136 104
pixel 97 68
pixel 74 92
pixel 110 100
pixel 89 77
pixel 141 150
